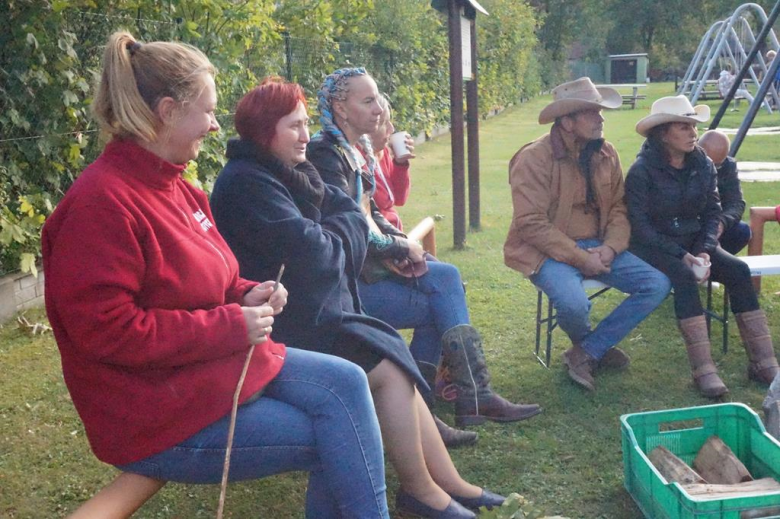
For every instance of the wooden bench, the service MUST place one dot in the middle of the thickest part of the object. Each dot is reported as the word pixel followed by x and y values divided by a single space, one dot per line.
pixel 709 92
pixel 128 492
pixel 425 233
pixel 633 97
pixel 120 499
pixel 629 99
pixel 758 217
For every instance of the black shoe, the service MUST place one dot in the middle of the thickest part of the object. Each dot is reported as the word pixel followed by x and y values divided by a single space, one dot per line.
pixel 488 499
pixel 409 505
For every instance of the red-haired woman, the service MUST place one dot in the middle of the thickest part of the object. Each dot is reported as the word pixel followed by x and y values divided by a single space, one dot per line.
pixel 154 323
pixel 272 207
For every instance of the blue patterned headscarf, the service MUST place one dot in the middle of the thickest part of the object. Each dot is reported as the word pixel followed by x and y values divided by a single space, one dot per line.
pixel 334 88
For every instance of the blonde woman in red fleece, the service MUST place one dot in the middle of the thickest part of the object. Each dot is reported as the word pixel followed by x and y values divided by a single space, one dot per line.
pixel 154 323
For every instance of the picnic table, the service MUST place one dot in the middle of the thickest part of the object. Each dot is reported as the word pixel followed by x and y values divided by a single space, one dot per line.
pixel 633 97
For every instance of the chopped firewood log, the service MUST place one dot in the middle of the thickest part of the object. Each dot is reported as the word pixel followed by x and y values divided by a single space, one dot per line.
pixel 756 487
pixel 760 513
pixel 672 468
pixel 718 465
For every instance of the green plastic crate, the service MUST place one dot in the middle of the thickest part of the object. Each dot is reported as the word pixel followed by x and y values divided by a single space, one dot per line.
pixel 683 432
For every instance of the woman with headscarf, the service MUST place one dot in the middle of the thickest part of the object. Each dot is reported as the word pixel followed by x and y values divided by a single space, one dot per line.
pixel 397 284
pixel 672 198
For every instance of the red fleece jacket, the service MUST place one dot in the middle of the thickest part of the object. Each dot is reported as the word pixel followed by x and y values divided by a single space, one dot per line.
pixel 144 298
pixel 392 188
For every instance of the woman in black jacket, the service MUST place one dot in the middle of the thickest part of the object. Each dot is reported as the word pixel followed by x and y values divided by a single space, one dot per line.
pixel 273 208
pixel 674 211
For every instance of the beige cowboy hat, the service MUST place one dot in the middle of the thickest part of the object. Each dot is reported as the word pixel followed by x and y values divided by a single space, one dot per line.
pixel 580 94
pixel 672 109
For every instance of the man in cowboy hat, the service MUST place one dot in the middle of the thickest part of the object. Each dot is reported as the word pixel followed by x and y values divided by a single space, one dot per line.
pixel 570 223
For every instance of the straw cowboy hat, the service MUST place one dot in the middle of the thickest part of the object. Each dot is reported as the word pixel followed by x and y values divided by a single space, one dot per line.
pixel 673 109
pixel 580 94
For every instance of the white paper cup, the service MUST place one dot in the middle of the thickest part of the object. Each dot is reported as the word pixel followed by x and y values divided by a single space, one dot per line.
pixel 398 143
pixel 700 268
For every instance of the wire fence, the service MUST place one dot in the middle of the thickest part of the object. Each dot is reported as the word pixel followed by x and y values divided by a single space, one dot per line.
pixel 47 134
pixel 302 60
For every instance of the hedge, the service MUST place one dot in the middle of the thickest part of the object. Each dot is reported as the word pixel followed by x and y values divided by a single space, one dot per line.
pixel 50 59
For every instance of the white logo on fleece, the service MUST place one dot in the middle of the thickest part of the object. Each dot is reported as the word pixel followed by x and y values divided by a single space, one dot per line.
pixel 201 217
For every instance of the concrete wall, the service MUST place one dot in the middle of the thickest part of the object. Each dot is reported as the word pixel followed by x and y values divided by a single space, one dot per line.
pixel 19 292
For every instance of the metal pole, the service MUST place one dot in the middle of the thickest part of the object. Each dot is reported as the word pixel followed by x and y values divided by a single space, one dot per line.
pixel 472 117
pixel 743 71
pixel 761 63
pixel 287 55
pixel 699 60
pixel 456 130
pixel 694 61
pixel 709 64
pixel 747 122
pixel 741 53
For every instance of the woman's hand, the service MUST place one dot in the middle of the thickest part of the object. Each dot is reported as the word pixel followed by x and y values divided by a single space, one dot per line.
pixel 409 146
pixel 416 252
pixel 259 321
pixel 264 293
pixel 694 262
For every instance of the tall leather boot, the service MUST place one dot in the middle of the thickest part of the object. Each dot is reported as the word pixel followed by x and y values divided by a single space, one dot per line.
pixel 755 335
pixel 697 342
pixel 476 401
pixel 451 436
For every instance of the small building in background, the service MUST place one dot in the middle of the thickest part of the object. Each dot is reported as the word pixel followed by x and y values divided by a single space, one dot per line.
pixel 627 68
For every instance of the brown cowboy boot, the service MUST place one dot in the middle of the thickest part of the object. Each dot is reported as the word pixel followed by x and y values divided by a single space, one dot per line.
pixel 754 331
pixel 476 401
pixel 580 366
pixel 451 436
pixel 697 342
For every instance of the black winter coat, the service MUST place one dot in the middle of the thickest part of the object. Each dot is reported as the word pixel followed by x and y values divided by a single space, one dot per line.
pixel 335 169
pixel 271 214
pixel 673 211
pixel 730 193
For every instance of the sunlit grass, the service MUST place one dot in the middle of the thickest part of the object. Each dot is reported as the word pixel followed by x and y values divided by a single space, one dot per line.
pixel 568 460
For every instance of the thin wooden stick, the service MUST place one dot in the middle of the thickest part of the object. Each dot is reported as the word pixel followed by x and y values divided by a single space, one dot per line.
pixel 234 412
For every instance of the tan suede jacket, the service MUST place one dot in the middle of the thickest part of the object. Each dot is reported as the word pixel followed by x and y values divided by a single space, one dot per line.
pixel 542 200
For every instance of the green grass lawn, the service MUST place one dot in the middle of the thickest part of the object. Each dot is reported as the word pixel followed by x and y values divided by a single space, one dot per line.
pixel 567 460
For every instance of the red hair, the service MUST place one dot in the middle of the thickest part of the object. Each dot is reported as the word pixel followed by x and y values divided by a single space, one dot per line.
pixel 259 111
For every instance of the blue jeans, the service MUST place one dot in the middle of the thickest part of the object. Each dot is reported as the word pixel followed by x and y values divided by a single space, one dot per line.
pixel 735 239
pixel 646 286
pixel 431 304
pixel 317 415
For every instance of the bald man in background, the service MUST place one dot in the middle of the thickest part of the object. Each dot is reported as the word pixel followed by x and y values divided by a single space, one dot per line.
pixel 733 233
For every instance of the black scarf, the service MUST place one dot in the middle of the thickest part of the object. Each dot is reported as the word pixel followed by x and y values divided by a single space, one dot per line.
pixel 303 181
pixel 586 168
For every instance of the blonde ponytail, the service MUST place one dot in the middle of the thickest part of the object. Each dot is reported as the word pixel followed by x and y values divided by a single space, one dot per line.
pixel 137 75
